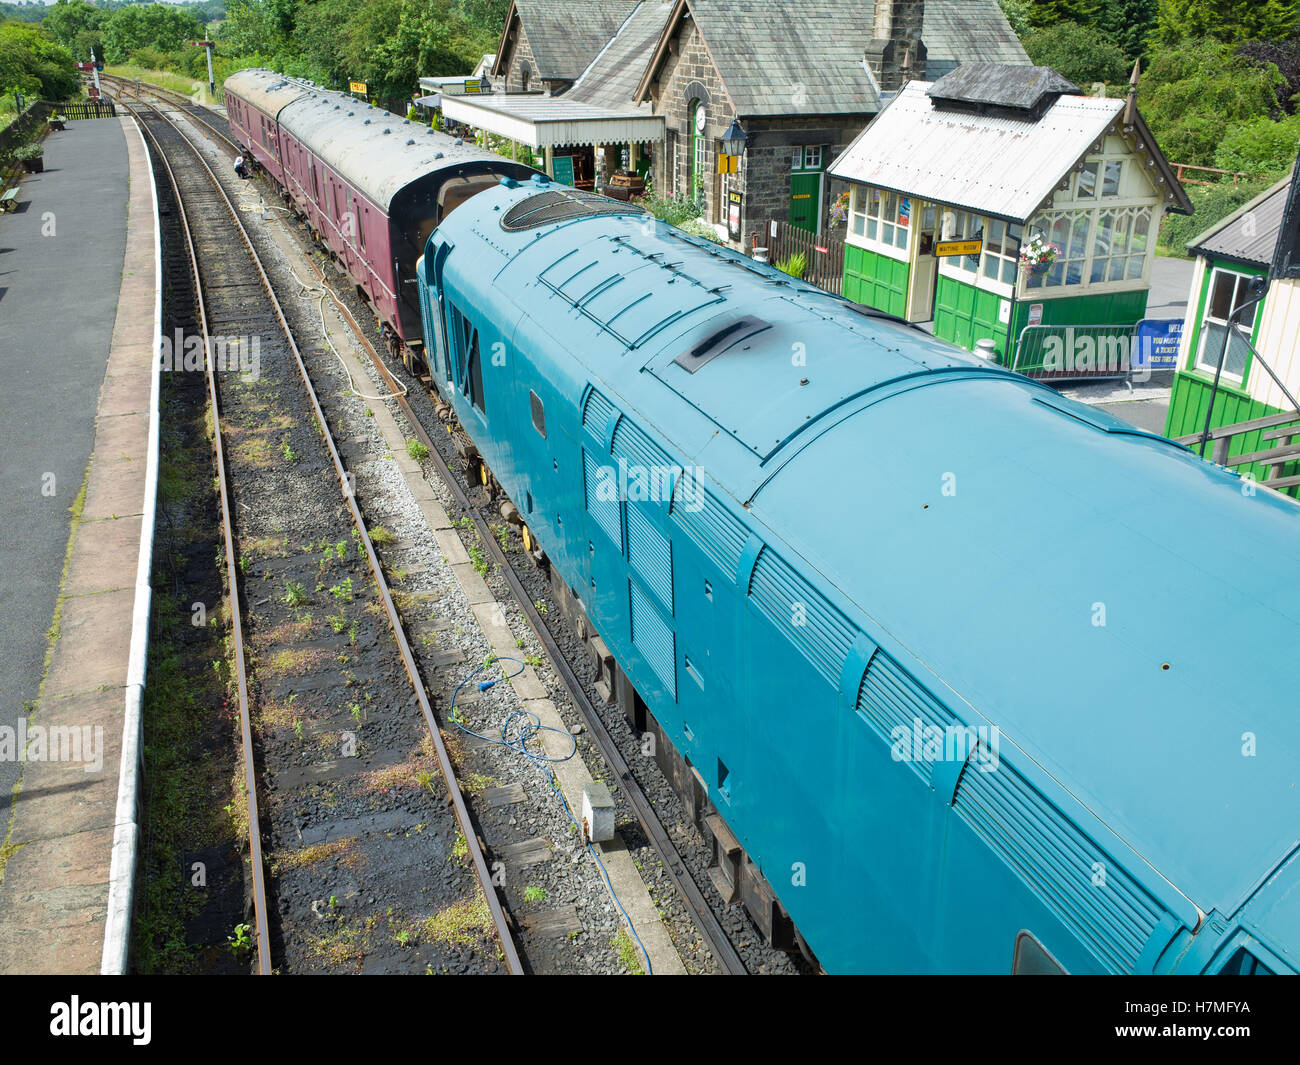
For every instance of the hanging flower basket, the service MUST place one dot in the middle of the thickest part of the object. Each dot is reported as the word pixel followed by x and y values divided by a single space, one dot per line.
pixel 1037 256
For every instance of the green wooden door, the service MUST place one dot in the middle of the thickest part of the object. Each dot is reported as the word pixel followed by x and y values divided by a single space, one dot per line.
pixel 805 195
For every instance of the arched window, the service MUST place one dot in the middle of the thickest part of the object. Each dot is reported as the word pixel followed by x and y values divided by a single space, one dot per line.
pixel 697 155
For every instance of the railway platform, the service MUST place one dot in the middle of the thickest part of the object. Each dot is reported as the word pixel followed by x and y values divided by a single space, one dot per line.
pixel 78 319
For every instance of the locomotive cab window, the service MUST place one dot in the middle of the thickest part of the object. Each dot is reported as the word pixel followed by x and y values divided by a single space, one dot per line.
pixel 1032 959
pixel 1244 963
pixel 476 375
pixel 539 412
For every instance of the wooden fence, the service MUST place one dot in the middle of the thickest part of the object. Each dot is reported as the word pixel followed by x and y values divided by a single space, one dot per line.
pixel 1180 168
pixel 86 109
pixel 824 254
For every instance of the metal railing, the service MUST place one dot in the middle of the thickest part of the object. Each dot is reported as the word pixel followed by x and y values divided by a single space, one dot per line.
pixel 1075 352
pixel 1282 428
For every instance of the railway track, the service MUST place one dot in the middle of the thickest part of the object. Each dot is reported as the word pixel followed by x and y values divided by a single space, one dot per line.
pixel 233 297
pixel 686 881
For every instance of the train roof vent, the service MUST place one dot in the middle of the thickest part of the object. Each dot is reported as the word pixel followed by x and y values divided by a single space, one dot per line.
pixel 410 140
pixel 560 205
pixel 720 341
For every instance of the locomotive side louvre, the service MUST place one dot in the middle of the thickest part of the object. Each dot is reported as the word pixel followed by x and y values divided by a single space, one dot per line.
pixel 785 686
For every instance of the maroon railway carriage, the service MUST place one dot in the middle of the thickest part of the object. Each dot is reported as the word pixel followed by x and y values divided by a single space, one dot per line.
pixel 371 185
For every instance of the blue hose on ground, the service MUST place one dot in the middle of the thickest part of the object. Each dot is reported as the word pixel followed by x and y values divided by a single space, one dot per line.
pixel 530 726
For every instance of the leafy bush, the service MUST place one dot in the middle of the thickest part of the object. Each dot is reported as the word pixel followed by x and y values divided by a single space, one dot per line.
pixel 1191 96
pixel 675 210
pixel 1212 203
pixel 1260 146
pixel 696 228
pixel 29 151
pixel 795 265
pixel 1285 55
pixel 1080 53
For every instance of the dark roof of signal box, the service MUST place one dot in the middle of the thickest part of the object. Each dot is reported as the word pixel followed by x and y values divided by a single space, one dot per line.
pixel 1000 85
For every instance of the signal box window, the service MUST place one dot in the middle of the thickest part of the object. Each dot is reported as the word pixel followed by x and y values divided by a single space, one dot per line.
pixel 1031 958
pixel 539 413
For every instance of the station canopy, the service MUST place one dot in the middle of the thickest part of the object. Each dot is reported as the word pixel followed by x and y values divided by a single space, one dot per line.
pixel 551 122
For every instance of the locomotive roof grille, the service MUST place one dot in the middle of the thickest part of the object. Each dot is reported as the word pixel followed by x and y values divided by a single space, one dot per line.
pixel 560 205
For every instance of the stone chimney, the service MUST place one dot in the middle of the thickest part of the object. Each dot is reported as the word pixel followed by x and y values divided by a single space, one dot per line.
pixel 896 55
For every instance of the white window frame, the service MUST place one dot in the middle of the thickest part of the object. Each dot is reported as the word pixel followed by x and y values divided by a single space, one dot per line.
pixel 861 204
pixel 1246 330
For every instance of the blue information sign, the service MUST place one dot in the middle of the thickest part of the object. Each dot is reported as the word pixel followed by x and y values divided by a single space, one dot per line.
pixel 1157 344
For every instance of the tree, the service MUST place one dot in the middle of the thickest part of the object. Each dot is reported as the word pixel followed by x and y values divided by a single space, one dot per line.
pixel 157 26
pixel 1227 20
pixel 1260 147
pixel 1128 23
pixel 33 63
pixel 1284 55
pixel 69 19
pixel 1044 13
pixel 1077 52
pixel 1192 95
pixel 488 16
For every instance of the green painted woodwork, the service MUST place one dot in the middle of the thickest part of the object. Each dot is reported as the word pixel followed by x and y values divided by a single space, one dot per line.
pixel 1191 395
pixel 805 195
pixel 964 314
pixel 875 280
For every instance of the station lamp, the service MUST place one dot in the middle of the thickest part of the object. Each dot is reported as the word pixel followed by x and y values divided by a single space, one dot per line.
pixel 734 140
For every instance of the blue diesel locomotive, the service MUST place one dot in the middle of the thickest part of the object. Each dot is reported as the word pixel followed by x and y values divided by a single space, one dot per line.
pixel 972 678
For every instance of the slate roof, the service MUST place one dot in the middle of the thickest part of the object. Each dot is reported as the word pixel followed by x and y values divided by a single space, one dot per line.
pixel 1001 85
pixel 808 57
pixel 1249 234
pixel 566 37
pixel 967 31
pixel 786 59
pixel 612 78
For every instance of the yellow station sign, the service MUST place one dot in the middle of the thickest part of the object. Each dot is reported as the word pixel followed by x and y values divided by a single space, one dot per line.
pixel 357 86
pixel 958 247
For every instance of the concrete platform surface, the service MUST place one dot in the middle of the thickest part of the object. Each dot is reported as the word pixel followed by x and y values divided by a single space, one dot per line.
pixel 77 325
pixel 61 259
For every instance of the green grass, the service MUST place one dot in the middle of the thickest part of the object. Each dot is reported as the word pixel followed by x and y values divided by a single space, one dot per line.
pixel 628 954
pixel 417 450
pixel 195 88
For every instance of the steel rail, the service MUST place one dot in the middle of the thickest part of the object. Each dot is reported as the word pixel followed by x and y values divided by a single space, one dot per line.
pixel 236 613
pixel 702 914
pixel 501 923
pixel 191 109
